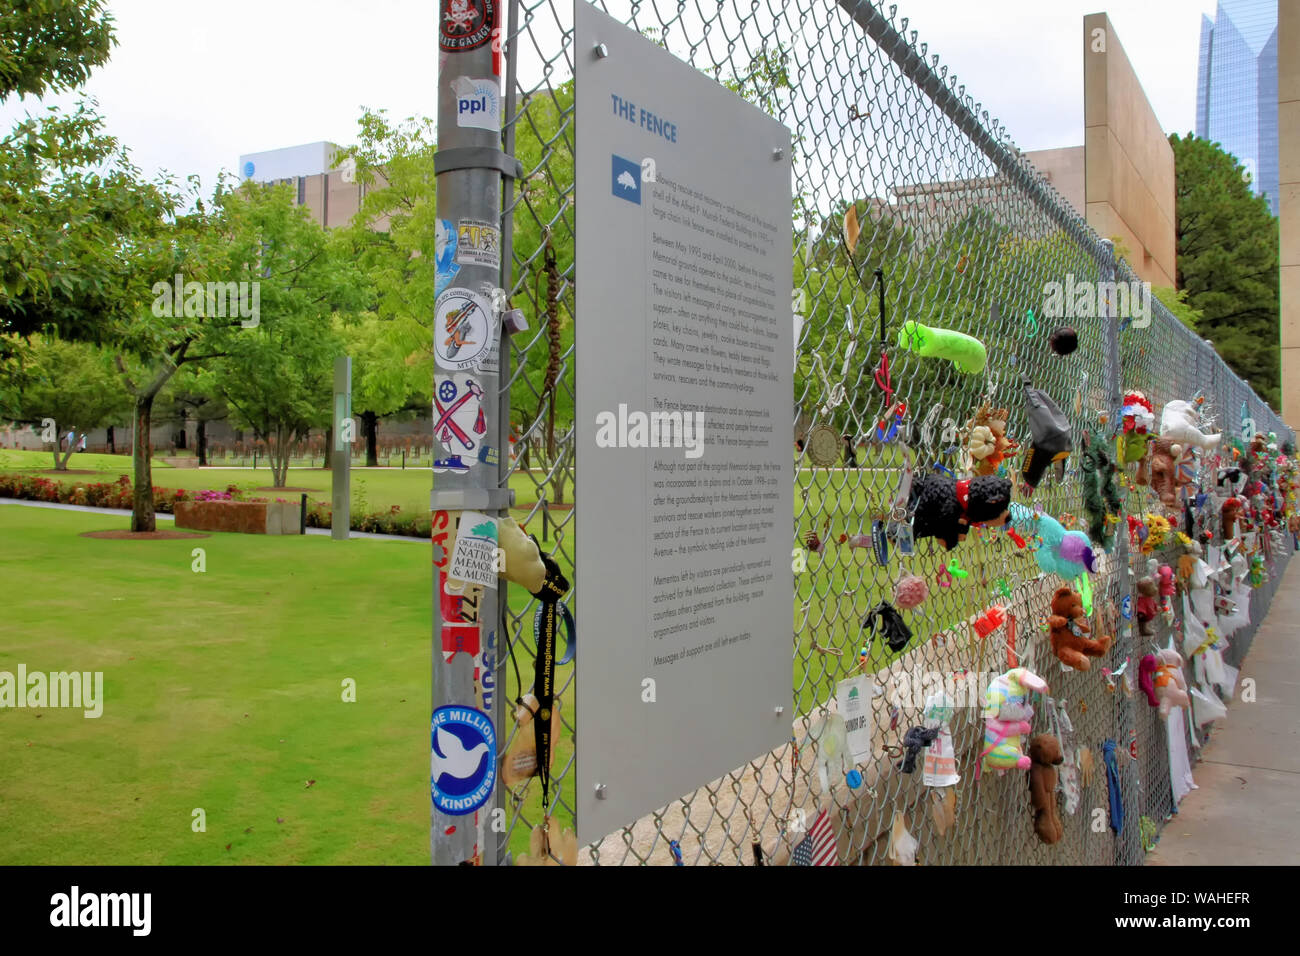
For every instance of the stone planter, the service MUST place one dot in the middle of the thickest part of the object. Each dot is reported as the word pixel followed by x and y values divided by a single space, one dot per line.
pixel 244 517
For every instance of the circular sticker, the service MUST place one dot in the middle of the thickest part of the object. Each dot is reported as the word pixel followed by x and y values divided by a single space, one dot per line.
pixel 464 763
pixel 462 332
pixel 466 24
pixel 824 446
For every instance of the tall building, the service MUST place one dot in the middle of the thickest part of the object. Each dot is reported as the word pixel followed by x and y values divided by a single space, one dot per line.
pixel 1236 88
pixel 332 194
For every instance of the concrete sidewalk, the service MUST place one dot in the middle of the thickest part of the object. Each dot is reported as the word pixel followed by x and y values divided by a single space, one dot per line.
pixel 1246 811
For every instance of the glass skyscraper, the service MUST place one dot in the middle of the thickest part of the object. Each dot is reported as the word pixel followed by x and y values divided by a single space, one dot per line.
pixel 1236 87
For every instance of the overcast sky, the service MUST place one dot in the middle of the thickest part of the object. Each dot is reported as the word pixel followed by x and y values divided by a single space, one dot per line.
pixel 193 84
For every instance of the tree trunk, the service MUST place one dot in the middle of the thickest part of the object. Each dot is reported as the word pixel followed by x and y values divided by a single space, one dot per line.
pixel 329 447
pixel 142 460
pixel 370 423
pixel 112 444
pixel 201 438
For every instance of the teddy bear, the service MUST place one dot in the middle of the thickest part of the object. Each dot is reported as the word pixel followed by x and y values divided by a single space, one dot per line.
pixel 1148 590
pixel 1007 712
pixel 1069 631
pixel 1045 755
pixel 1166 477
pixel 988 443
pixel 1161 678
pixel 945 508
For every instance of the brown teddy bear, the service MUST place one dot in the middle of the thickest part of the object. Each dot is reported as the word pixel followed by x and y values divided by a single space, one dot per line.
pixel 1045 752
pixel 1148 593
pixel 1069 629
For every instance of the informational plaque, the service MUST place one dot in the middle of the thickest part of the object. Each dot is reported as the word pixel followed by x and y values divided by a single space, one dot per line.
pixel 683 420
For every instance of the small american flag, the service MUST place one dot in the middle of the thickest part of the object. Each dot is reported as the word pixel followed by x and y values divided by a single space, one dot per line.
pixel 818 847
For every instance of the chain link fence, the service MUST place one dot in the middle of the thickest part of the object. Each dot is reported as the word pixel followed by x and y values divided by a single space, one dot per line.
pixel 966 236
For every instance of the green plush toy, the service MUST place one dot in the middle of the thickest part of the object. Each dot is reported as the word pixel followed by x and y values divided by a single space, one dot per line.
pixel 964 351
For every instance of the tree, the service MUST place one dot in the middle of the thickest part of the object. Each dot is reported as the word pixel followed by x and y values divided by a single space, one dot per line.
pixel 1228 260
pixel 51 45
pixel 70 386
pixel 389 374
pixel 277 376
pixel 81 234
pixel 193 395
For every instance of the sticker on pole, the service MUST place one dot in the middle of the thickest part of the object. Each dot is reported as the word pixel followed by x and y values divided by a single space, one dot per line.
pixel 464 765
pixel 463 330
pixel 466 24
pixel 478 102
pixel 474 557
pixel 444 244
pixel 458 420
pixel 478 243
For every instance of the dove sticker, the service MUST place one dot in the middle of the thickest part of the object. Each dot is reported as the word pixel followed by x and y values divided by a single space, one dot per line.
pixel 627 179
pixel 464 764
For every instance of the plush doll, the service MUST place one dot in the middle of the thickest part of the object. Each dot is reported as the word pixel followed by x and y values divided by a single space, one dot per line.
pixel 988 443
pixel 965 352
pixel 1045 755
pixel 1049 436
pixel 1147 668
pixel 1168 684
pixel 1230 512
pixel 945 508
pixel 1164 472
pixel 1178 424
pixel 1007 712
pixel 1146 605
pixel 1138 419
pixel 1064 553
pixel 1069 631
pixel 1101 497
pixel 1165 578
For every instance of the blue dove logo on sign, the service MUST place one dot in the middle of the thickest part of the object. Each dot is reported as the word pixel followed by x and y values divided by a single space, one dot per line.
pixel 627 179
pixel 464 764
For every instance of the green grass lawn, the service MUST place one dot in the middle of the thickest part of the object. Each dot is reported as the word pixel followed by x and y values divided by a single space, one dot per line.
pixel 223 691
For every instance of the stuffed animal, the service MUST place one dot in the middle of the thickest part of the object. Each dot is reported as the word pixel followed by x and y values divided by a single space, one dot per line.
pixel 1164 475
pixel 945 508
pixel 1069 630
pixel 965 352
pixel 1147 668
pixel 1049 431
pixel 1146 605
pixel 988 443
pixel 1007 713
pixel 1230 512
pixel 1060 552
pixel 1045 755
pixel 1101 500
pixel 1170 687
pixel 1178 424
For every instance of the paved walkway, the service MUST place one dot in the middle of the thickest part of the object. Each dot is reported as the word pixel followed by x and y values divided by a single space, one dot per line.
pixel 159 516
pixel 1246 811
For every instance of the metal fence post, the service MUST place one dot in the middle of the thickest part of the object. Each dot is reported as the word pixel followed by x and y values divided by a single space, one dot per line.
pixel 469 165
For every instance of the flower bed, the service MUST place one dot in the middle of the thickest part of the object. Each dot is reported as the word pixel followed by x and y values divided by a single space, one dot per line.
pixel 117 494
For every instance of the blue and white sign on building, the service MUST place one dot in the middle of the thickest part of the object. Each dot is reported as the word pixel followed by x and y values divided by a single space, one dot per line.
pixel 627 179
pixel 464 763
